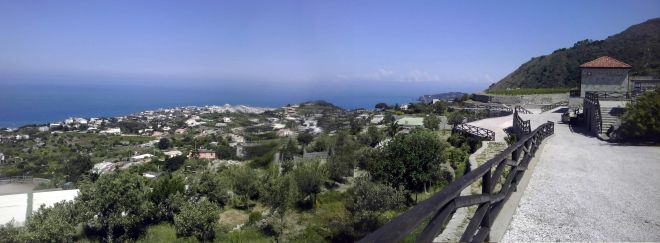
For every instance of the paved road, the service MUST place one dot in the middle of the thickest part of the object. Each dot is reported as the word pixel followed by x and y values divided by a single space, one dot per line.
pixel 584 189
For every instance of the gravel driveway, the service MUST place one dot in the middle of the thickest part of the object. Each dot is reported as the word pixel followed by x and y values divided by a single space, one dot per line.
pixel 584 189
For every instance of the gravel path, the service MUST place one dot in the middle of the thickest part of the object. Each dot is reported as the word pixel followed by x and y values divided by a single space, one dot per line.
pixel 584 189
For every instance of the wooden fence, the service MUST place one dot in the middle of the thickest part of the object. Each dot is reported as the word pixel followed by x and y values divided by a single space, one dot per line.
pixel 522 110
pixel 502 172
pixel 482 133
pixel 545 108
pixel 592 113
pixel 520 126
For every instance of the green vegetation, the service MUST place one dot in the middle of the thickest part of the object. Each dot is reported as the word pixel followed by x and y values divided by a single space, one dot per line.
pixel 641 122
pixel 636 46
pixel 359 177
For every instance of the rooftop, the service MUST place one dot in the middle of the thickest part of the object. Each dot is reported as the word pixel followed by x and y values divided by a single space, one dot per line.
pixel 605 62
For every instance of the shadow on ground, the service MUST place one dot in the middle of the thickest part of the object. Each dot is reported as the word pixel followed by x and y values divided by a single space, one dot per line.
pixel 579 128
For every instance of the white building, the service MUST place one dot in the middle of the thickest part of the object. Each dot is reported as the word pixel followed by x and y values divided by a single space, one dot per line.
pixel 377 119
pixel 226 119
pixel 2 158
pixel 15 206
pixel 141 157
pixel 112 131
pixel 172 153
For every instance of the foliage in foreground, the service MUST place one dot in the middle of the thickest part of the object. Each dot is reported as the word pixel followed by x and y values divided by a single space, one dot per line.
pixel 641 122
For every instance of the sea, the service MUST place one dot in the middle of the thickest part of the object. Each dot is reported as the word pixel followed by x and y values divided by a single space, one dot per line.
pixel 42 103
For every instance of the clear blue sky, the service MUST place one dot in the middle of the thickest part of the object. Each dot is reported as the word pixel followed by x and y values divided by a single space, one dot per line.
pixel 427 43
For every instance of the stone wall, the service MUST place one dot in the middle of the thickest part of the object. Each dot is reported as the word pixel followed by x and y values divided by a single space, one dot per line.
pixel 604 79
pixel 524 100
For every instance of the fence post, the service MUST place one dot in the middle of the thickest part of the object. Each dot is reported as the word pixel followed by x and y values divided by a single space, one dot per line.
pixel 486 189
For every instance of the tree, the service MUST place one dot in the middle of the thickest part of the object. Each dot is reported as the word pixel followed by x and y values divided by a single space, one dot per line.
pixel 392 128
pixel 79 166
pixel 355 126
pixel 197 219
pixel 117 204
pixel 410 160
pixel 211 185
pixel 381 106
pixel 224 151
pixel 52 224
pixel 309 176
pixel 369 199
pixel 455 118
pixel 372 137
pixel 457 158
pixel 289 150
pixel 431 122
pixel 440 107
pixel 305 138
pixel 174 163
pixel 281 196
pixel 166 194
pixel 244 183
pixel 164 143
pixel 641 121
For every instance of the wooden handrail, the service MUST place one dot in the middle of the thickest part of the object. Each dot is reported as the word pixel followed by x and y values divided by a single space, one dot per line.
pixel 522 110
pixel 482 133
pixel 545 108
pixel 438 208
pixel 521 126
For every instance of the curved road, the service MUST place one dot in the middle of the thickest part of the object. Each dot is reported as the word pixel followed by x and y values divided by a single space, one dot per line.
pixel 585 189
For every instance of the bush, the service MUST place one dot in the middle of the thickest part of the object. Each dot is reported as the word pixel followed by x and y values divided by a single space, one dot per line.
pixel 197 219
pixel 641 122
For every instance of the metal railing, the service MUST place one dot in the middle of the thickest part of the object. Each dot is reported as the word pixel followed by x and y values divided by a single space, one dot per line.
pixel 482 133
pixel 440 206
pixel 610 95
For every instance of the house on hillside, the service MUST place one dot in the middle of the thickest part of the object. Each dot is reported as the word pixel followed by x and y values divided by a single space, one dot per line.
pixel 172 153
pixel 203 154
pixel 604 74
pixel 605 89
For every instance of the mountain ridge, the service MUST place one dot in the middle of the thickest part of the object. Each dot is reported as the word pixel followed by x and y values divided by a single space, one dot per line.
pixel 638 45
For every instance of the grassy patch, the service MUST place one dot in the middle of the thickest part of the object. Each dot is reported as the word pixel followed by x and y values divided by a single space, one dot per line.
pixel 245 235
pixel 163 232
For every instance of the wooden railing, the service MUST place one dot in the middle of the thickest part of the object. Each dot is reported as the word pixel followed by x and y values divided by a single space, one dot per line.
pixel 490 202
pixel 592 106
pixel 486 107
pixel 545 108
pixel 610 95
pixel 474 131
pixel 520 126
pixel 522 110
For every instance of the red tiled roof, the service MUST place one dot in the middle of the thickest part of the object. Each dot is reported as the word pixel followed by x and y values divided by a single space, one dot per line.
pixel 605 62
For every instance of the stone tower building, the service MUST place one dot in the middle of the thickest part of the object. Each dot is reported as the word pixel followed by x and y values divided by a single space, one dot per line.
pixel 604 74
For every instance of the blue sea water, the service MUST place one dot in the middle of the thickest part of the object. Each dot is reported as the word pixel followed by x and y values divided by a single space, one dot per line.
pixel 34 103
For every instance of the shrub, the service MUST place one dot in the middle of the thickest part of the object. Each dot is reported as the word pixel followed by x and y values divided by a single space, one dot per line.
pixel 641 122
pixel 197 219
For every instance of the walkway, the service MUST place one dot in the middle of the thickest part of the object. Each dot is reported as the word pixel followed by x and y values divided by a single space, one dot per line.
pixel 584 189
